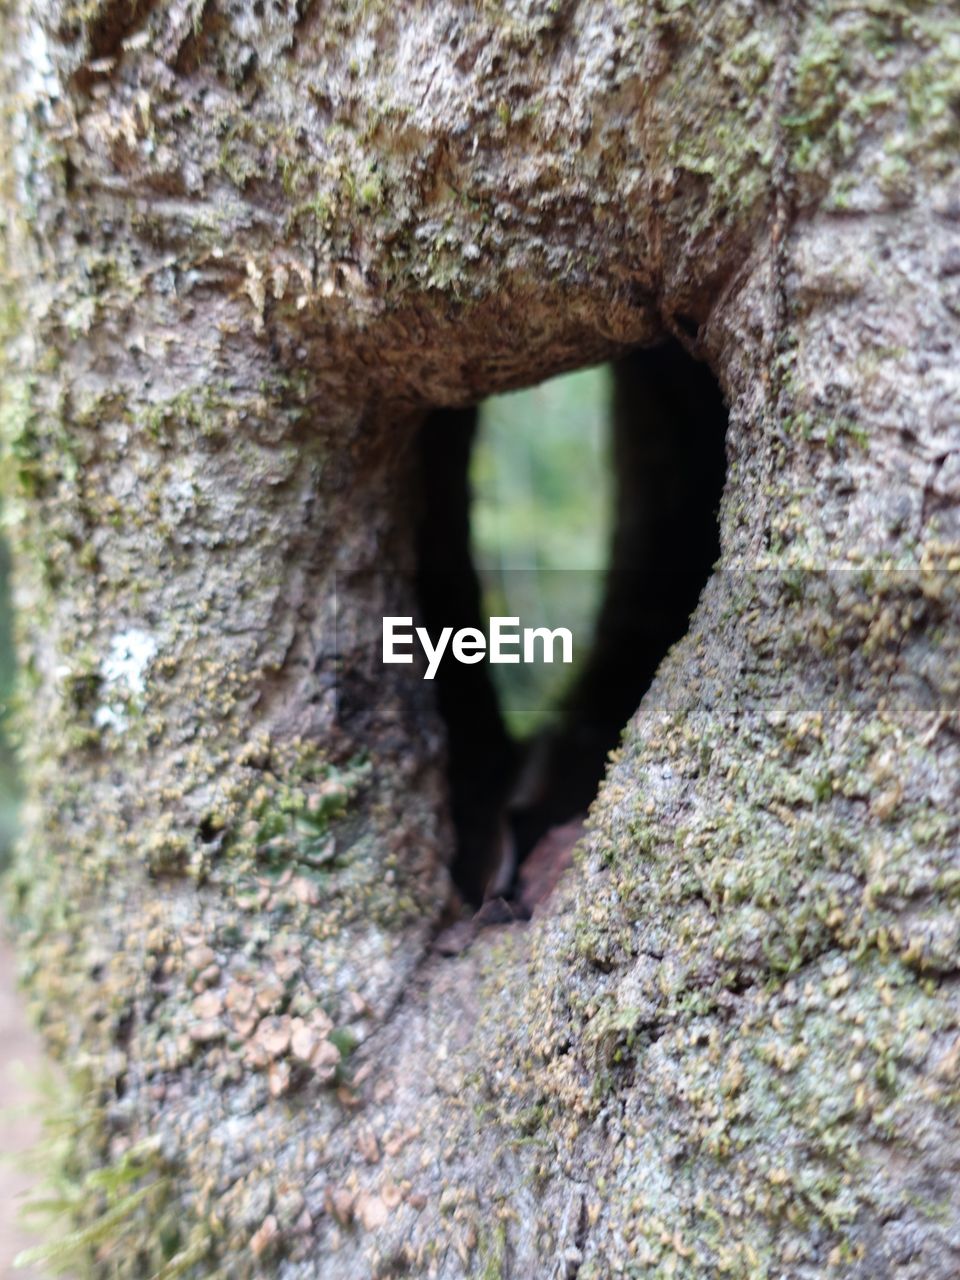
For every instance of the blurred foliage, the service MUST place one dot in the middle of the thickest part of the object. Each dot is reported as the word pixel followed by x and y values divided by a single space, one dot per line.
pixel 8 784
pixel 542 524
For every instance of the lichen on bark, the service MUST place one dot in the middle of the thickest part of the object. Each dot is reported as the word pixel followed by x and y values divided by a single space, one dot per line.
pixel 246 249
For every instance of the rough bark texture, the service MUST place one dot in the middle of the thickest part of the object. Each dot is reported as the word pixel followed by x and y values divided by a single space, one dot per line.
pixel 248 245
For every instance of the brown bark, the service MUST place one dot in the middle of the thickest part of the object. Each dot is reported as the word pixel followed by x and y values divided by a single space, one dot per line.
pixel 248 247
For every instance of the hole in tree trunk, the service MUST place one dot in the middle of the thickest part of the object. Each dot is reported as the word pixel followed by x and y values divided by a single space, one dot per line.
pixel 510 788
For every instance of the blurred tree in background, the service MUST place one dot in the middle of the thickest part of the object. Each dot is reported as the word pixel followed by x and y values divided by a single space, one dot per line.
pixel 8 789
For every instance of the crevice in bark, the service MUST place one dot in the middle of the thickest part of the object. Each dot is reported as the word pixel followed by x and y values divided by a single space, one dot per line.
pixel 482 759
pixel 511 801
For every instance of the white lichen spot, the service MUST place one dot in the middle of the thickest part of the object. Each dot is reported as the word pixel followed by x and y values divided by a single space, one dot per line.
pixel 40 78
pixel 124 675
pixel 38 96
pixel 256 291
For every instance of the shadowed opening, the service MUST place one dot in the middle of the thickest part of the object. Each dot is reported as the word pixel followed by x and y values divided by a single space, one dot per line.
pixel 515 778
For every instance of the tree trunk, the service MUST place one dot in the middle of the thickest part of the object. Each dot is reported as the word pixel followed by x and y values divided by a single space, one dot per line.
pixel 247 248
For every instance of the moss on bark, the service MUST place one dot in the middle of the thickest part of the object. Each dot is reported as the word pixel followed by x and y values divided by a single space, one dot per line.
pixel 246 249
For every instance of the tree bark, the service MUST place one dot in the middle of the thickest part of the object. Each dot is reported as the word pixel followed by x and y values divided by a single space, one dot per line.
pixel 247 248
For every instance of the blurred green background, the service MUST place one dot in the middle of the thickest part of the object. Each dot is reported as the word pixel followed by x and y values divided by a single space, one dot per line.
pixel 541 520
pixel 8 788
